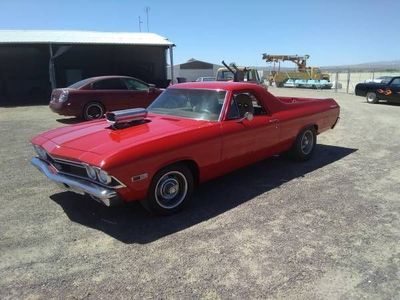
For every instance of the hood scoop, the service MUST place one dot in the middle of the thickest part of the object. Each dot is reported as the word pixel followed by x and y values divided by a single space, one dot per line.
pixel 128 117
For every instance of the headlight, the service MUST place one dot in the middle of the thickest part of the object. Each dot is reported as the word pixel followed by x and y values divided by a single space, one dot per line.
pixel 104 177
pixel 91 172
pixel 63 96
pixel 40 152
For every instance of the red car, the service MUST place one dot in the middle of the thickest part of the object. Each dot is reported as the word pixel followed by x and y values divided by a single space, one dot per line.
pixel 191 133
pixel 92 97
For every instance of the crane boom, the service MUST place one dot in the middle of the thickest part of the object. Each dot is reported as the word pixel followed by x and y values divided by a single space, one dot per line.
pixel 300 61
pixel 304 76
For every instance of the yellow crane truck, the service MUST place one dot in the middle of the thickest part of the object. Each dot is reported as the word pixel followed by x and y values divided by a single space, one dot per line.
pixel 308 77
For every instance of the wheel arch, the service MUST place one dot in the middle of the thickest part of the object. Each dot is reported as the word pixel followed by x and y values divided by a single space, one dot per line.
pixel 313 125
pixel 191 164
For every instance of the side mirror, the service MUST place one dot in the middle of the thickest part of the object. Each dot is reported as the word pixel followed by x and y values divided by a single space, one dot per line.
pixel 247 116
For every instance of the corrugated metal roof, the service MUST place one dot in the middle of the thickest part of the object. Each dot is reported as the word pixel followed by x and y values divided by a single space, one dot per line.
pixel 81 37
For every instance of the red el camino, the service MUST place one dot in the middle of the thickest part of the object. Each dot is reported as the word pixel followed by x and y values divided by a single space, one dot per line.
pixel 191 133
pixel 92 97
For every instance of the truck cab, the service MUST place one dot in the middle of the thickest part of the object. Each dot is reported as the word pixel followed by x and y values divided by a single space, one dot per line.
pixel 243 74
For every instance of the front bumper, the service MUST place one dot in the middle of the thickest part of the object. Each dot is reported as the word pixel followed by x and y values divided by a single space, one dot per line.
pixel 107 196
pixel 63 108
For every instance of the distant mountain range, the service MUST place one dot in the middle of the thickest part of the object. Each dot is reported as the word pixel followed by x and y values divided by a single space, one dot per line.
pixel 393 65
pixel 372 66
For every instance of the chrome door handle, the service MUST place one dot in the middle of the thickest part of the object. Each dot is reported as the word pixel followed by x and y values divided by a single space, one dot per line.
pixel 273 120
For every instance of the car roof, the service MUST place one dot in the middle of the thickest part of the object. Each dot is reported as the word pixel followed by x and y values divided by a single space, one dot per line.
pixel 96 78
pixel 216 85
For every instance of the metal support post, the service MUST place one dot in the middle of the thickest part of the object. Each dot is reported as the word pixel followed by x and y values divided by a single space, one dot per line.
pixel 171 61
pixel 336 81
pixel 348 81
pixel 52 74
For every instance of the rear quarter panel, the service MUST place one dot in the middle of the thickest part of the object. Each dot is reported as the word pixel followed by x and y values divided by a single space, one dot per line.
pixel 295 114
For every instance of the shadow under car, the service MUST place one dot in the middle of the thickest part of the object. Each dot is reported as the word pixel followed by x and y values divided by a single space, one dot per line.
pixel 130 223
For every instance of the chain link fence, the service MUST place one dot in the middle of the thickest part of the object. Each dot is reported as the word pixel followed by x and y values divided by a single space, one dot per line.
pixel 346 81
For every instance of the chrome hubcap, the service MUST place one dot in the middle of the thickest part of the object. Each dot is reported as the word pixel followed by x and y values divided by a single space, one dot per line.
pixel 94 112
pixel 371 96
pixel 171 189
pixel 307 142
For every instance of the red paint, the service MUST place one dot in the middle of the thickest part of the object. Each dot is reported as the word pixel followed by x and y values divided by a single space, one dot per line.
pixel 215 147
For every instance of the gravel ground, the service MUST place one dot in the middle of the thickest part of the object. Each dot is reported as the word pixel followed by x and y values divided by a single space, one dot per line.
pixel 324 229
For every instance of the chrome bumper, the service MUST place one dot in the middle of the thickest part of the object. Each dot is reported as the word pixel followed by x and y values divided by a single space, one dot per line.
pixel 107 196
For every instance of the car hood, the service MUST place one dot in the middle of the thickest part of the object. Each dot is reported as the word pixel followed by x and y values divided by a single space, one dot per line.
pixel 99 138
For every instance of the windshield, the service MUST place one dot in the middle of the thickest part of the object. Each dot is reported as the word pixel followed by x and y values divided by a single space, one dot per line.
pixel 384 79
pixel 225 75
pixel 80 84
pixel 205 79
pixel 193 104
pixel 247 75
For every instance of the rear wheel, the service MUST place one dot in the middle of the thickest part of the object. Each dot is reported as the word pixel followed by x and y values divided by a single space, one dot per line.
pixel 93 110
pixel 304 146
pixel 170 190
pixel 371 97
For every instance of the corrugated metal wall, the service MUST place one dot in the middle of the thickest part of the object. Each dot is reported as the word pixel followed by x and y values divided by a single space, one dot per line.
pixel 24 69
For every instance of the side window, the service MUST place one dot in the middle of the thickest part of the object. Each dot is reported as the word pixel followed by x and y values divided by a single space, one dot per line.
pixel 233 112
pixel 109 84
pixel 259 110
pixel 396 82
pixel 135 85
pixel 245 102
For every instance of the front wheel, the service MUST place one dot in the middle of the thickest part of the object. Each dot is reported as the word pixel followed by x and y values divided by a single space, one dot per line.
pixel 371 97
pixel 304 146
pixel 170 190
pixel 93 110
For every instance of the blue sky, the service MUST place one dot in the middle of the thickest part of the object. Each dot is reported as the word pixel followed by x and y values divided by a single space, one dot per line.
pixel 332 32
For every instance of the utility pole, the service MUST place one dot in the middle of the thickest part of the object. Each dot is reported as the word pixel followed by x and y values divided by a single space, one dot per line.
pixel 147 10
pixel 140 24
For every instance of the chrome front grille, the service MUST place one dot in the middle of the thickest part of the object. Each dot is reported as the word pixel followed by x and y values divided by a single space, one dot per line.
pixel 76 169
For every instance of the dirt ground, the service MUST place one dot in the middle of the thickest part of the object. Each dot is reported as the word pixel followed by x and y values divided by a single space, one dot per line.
pixel 324 229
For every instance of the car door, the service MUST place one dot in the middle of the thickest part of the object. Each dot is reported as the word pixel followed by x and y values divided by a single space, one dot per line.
pixel 243 140
pixel 140 93
pixel 393 90
pixel 112 93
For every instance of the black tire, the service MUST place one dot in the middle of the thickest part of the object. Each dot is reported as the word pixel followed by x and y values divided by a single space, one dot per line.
pixel 304 146
pixel 371 97
pixel 93 110
pixel 170 190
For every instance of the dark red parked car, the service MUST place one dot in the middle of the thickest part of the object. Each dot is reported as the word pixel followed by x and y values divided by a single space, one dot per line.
pixel 92 97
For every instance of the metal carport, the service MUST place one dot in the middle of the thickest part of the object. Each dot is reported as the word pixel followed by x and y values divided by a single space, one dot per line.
pixel 32 62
